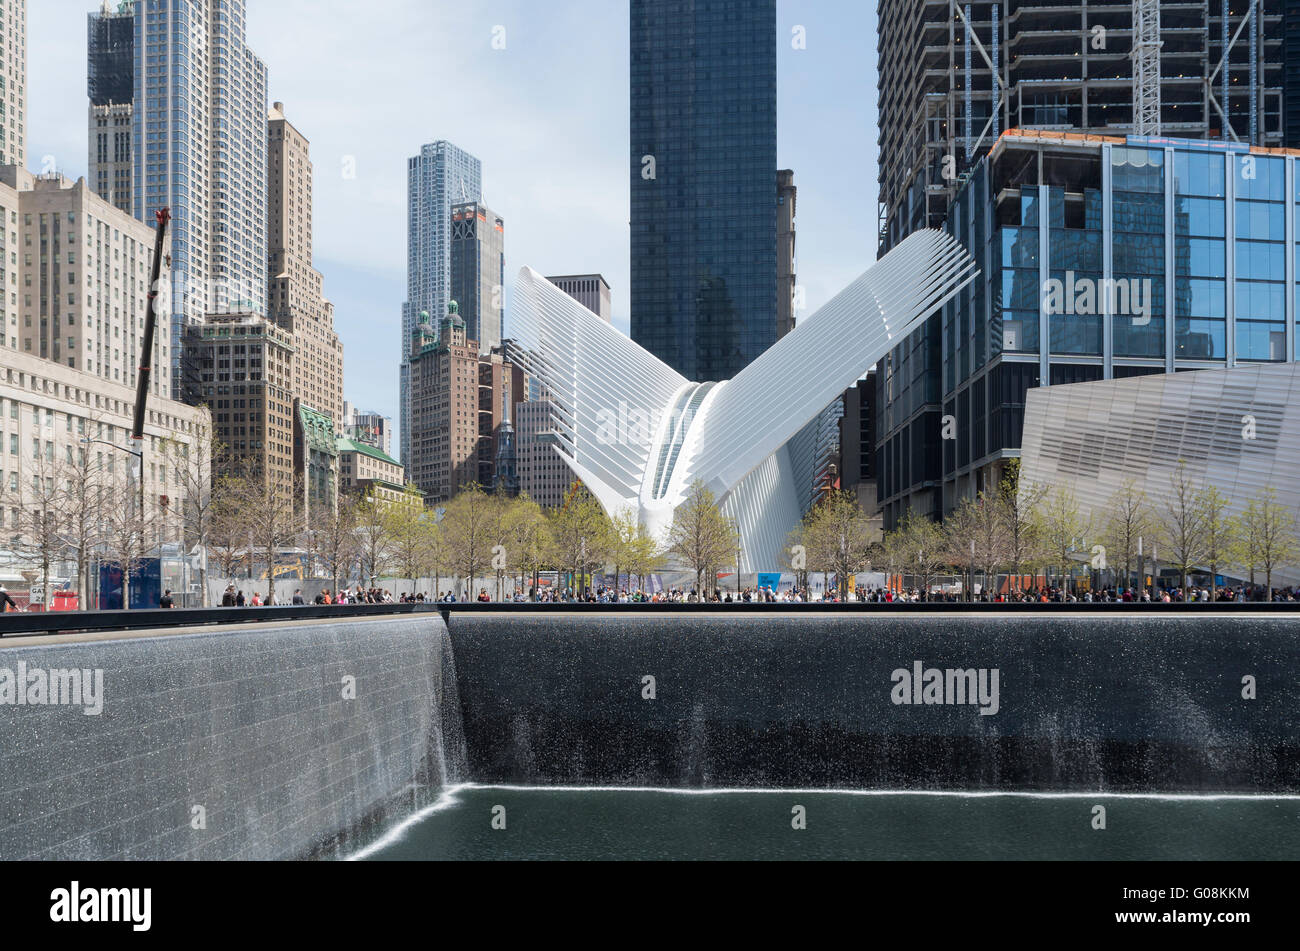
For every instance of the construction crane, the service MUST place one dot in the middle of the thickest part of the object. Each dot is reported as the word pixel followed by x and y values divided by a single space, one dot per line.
pixel 1146 67
pixel 163 218
pixel 573 494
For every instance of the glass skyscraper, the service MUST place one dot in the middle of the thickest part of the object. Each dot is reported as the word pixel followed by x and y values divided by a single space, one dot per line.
pixel 198 145
pixel 1102 257
pixel 703 171
pixel 442 175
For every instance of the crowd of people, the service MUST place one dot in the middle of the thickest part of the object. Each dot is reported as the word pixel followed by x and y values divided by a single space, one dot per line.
pixel 1049 594
pixel 234 598
pixel 602 594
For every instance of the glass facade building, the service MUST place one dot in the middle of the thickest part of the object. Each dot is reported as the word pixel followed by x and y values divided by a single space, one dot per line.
pixel 1101 258
pixel 198 145
pixel 703 176
pixel 442 175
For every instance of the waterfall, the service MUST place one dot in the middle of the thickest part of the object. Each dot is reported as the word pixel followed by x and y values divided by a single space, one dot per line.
pixel 447 728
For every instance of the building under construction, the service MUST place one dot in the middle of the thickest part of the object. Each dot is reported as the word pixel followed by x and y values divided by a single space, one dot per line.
pixel 952 76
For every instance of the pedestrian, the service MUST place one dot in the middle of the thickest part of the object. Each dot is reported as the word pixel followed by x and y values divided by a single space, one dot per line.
pixel 239 599
pixel 165 602
pixel 8 603
pixel 297 597
pixel 228 599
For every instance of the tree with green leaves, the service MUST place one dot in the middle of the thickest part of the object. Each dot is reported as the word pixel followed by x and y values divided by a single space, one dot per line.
pixel 374 533
pixel 837 537
pixel 624 527
pixel 1220 530
pixel 530 543
pixel 976 539
pixel 581 533
pixel 1062 527
pixel 409 525
pixel 1271 537
pixel 644 556
pixel 700 536
pixel 469 526
pixel 918 546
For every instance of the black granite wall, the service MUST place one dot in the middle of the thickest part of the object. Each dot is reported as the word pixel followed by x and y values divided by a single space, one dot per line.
pixel 250 724
pixel 1117 703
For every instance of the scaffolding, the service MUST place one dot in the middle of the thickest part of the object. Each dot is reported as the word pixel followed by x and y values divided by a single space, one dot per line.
pixel 954 75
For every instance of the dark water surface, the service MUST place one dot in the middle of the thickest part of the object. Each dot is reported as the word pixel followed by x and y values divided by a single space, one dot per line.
pixel 570 823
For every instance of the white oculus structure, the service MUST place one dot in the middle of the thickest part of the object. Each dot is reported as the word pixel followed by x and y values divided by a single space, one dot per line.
pixel 639 435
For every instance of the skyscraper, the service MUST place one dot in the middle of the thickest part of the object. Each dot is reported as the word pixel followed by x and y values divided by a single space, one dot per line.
pixel 440 176
pixel 589 290
pixel 703 170
pixel 786 200
pixel 110 83
pixel 478 271
pixel 942 113
pixel 13 82
pixel 297 298
pixel 198 145
pixel 1060 67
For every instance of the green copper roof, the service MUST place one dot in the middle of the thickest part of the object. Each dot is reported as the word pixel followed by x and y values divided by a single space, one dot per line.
pixel 351 445
pixel 318 430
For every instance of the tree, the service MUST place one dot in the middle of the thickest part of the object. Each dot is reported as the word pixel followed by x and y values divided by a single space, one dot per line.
pixel 580 531
pixel 125 541
pixel 192 466
pixel 918 546
pixel 625 531
pixel 408 520
pixel 1220 530
pixel 1019 504
pixel 837 538
pixel 499 534
pixel 39 536
pixel 1129 520
pixel 645 557
pixel 272 519
pixel 700 536
pixel 1272 537
pixel 1061 530
pixel 976 537
pixel 84 514
pixel 336 539
pixel 1182 528
pixel 469 526
pixel 229 530
pixel 374 535
pixel 435 551
pixel 530 541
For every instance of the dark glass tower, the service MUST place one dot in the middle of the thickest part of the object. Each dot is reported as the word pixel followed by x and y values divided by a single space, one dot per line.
pixel 703 167
pixel 110 49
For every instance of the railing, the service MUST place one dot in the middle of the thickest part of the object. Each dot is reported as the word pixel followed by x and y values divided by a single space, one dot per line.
pixel 34 625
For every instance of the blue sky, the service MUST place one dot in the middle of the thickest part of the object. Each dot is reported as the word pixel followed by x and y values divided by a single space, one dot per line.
pixel 371 82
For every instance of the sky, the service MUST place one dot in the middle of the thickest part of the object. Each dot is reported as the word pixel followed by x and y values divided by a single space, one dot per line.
pixel 369 82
